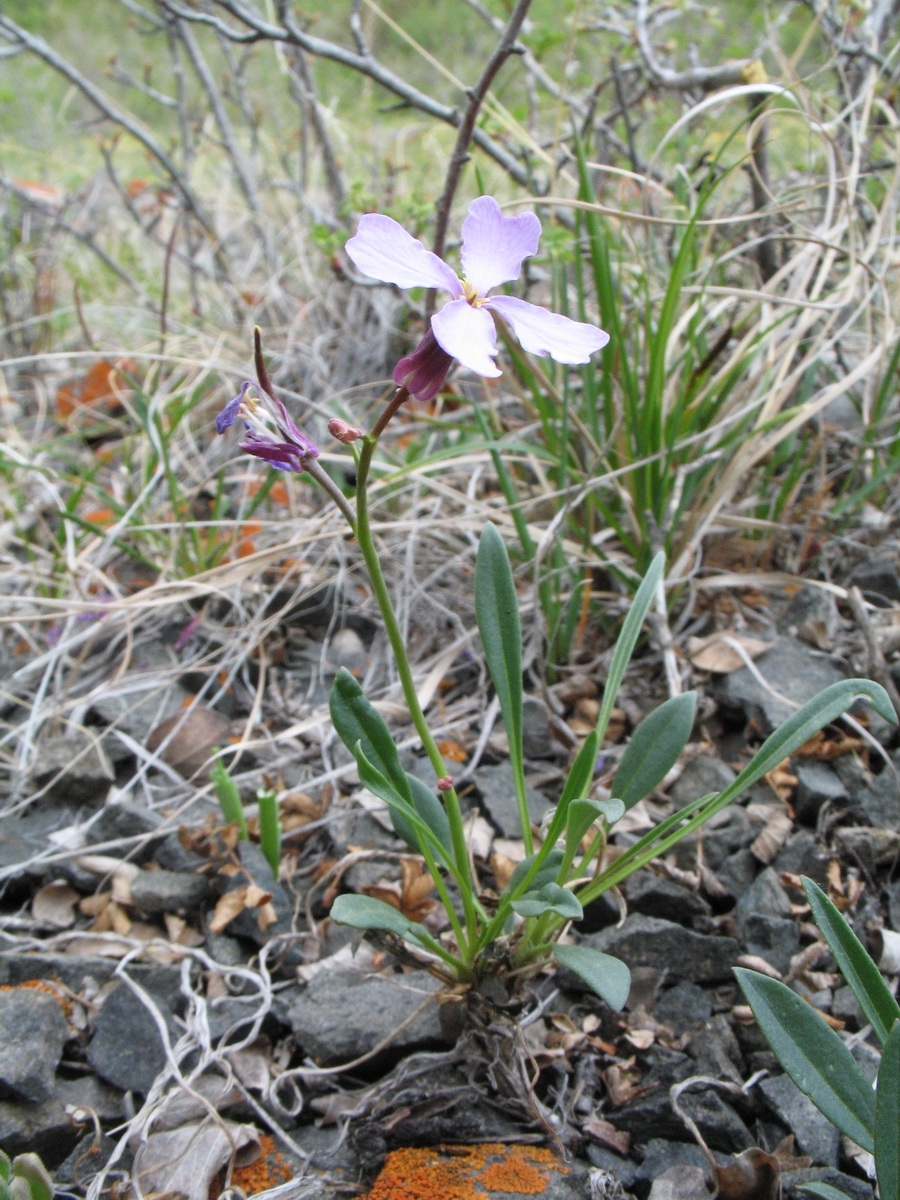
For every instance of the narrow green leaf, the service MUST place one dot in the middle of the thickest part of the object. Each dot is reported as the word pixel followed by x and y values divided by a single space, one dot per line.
pixel 359 722
pixel 865 980
pixel 608 976
pixel 581 771
pixel 269 828
pixel 550 898
pixel 432 812
pixel 497 613
pixel 5 1165
pixel 887 1119
pixel 365 912
pixel 627 639
pixel 813 1055
pixel 581 816
pixel 655 747
pixel 800 727
pixel 410 821
pixel 229 798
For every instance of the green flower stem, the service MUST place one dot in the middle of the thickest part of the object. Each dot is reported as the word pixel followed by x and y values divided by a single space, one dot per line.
pixel 395 637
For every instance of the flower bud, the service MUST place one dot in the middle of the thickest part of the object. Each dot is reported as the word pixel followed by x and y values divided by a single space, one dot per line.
pixel 445 784
pixel 342 432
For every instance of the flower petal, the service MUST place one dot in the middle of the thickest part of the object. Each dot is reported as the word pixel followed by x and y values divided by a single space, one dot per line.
pixel 543 332
pixel 383 250
pixel 493 246
pixel 281 455
pixel 228 415
pixel 468 334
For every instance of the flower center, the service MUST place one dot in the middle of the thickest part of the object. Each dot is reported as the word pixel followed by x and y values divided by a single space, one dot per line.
pixel 472 296
pixel 257 417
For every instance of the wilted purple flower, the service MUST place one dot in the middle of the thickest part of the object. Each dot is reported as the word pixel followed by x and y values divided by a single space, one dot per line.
pixel 271 434
pixel 493 250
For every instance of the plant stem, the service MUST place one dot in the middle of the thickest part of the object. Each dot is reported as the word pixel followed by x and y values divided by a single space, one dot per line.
pixel 395 637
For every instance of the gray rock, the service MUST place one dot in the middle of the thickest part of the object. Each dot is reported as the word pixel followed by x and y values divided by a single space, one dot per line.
pixel 868 1058
pixel 683 1007
pixel 498 796
pixel 880 801
pixel 893 902
pixel 813 1134
pixel 791 669
pixel 168 891
pixel 121 820
pixel 33 1032
pixel 737 872
pixel 126 1049
pixel 802 855
pixel 879 581
pixel 850 1185
pixel 715 1050
pixel 660 1155
pixel 343 1014
pixel 74 768
pixel 135 713
pixel 700 776
pixel 622 1169
pixel 81 972
pixel 812 616
pixel 776 939
pixel 871 847
pixel 25 837
pixel 652 942
pixel 727 831
pixel 656 896
pixel 817 784
pixel 764 895
pixel 45 1129
pixel 246 923
pixel 847 1008
pixel 537 735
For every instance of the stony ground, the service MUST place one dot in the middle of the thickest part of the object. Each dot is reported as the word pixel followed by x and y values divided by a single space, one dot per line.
pixel 171 1011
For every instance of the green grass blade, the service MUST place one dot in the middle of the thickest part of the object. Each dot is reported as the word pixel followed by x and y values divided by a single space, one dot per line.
pixel 865 980
pixel 813 1055
pixel 631 628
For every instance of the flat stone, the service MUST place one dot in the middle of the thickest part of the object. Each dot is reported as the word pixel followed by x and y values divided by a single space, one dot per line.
pixel 872 846
pixel 135 713
pixel 660 1155
pixel 537 735
pixel 765 895
pixel 683 1007
pixel 121 820
pixel 776 939
pixel 812 616
pixel 655 896
pixel 791 669
pixel 802 855
pixel 813 1134
pixel 879 581
pixel 498 796
pixel 652 942
pixel 126 1049
pixel 168 891
pixel 701 775
pixel 344 1014
pixel 817 784
pixel 73 768
pixel 25 837
pixel 715 1050
pixel 33 1032
pixel 45 1129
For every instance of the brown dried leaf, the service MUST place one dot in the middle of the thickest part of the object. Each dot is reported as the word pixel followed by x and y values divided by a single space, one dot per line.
pixel 255 896
pixel 752 1175
pixel 229 906
pixel 188 1159
pixel 777 829
pixel 55 904
pixel 616 1139
pixel 722 652
pixel 190 737
pixel 266 916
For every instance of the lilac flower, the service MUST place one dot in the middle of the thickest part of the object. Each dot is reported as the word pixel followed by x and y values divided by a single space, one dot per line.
pixel 271 434
pixel 493 250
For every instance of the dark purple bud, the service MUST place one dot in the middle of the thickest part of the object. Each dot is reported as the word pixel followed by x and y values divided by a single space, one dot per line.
pixel 424 371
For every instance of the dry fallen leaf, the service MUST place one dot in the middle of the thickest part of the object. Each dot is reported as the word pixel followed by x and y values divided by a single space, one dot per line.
pixel 190 737
pixel 776 830
pixel 55 904
pixel 616 1139
pixel 725 651
pixel 751 1175
pixel 188 1159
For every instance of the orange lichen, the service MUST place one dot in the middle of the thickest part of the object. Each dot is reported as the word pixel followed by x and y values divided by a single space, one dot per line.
pixel 464 1172
pixel 267 1171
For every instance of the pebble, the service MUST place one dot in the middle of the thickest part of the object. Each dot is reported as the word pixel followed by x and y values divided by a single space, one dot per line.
pixel 33 1032
pixel 653 942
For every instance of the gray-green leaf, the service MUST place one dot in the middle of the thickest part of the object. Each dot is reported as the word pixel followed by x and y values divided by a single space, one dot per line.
pixel 608 976
pixel 655 747
pixel 550 898
pixel 813 1055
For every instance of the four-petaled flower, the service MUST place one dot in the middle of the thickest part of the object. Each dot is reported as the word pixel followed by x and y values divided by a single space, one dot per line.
pixel 493 249
pixel 271 434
